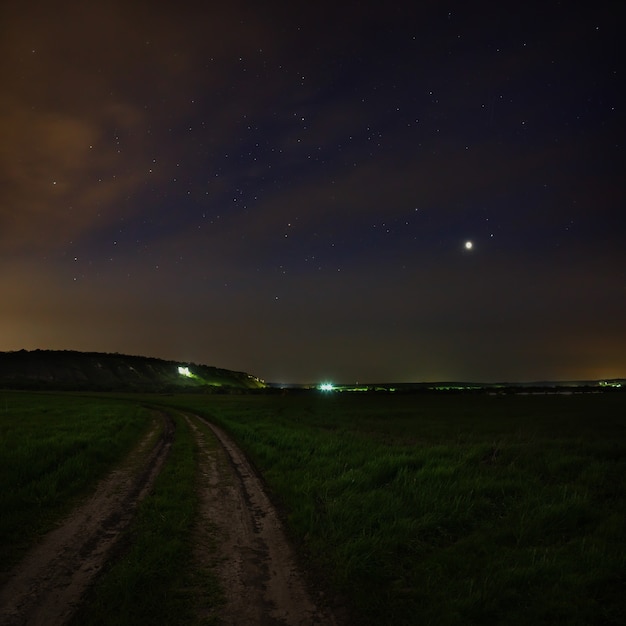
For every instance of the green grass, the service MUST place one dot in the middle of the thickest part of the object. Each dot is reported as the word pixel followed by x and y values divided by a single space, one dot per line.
pixel 449 509
pixel 53 448
pixel 155 579
pixel 418 509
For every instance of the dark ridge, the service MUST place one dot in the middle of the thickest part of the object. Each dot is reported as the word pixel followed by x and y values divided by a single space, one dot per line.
pixel 68 370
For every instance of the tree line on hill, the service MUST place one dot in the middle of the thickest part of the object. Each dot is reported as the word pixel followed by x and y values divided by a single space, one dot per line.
pixel 68 370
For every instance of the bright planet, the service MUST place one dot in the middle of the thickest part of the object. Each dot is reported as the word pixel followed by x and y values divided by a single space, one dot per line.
pixel 177 179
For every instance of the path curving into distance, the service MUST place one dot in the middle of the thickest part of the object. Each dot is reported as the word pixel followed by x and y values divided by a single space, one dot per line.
pixel 45 588
pixel 239 537
pixel 256 565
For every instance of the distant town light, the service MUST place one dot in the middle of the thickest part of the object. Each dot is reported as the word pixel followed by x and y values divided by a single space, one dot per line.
pixel 184 371
pixel 610 383
pixel 326 387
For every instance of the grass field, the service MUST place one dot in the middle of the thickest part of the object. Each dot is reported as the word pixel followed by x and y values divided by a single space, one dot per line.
pixel 153 581
pixel 416 509
pixel 53 448
pixel 449 509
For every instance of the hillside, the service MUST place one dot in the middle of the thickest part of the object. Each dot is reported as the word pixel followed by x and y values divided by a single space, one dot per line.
pixel 94 371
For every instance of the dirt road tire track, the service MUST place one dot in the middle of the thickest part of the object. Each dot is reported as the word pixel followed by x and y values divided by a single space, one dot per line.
pixel 256 565
pixel 46 587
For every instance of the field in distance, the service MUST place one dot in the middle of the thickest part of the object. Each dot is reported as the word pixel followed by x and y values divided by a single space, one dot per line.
pixel 410 509
pixel 449 509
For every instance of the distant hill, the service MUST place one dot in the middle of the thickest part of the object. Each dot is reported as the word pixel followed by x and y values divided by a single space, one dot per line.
pixel 95 371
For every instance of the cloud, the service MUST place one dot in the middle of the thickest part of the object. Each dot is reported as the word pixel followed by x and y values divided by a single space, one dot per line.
pixel 62 174
pixel 88 95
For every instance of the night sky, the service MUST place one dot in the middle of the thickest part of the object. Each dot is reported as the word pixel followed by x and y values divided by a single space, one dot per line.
pixel 288 188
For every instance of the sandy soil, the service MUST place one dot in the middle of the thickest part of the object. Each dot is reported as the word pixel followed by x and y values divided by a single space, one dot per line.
pixel 45 588
pixel 255 562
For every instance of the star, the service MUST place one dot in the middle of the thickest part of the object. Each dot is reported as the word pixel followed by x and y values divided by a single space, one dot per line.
pixel 469 245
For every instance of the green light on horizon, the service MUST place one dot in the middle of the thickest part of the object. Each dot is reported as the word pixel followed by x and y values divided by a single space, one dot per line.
pixel 326 387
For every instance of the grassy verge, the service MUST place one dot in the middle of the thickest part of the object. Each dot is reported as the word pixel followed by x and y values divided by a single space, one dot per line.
pixel 153 581
pixel 450 509
pixel 54 448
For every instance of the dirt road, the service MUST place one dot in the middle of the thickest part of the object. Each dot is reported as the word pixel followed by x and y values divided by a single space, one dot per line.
pixel 238 537
pixel 45 588
pixel 257 567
